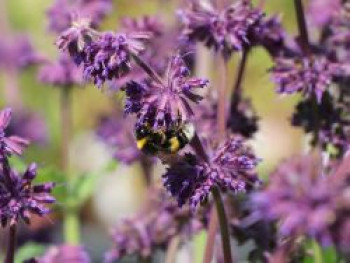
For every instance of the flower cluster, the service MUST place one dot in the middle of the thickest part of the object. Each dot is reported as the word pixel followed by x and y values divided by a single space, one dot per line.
pixel 165 102
pixel 317 213
pixel 154 227
pixel 230 166
pixel 62 12
pixel 104 56
pixel 309 75
pixel 225 30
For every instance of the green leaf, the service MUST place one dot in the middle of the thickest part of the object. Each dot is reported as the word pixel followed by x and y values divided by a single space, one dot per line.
pixel 29 250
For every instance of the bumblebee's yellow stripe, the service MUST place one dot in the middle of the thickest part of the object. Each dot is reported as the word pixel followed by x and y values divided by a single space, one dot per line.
pixel 174 144
pixel 141 143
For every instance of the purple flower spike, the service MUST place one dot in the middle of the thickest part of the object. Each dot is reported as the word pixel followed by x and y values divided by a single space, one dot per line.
pixel 166 103
pixel 19 198
pixel 60 14
pixel 61 73
pixel 309 75
pixel 65 253
pixel 153 227
pixel 9 144
pixel 227 30
pixel 230 167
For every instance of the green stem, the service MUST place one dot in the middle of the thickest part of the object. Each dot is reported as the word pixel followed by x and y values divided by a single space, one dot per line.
pixel 225 237
pixel 210 244
pixel 71 221
pixel 317 252
pixel 71 226
pixel 303 33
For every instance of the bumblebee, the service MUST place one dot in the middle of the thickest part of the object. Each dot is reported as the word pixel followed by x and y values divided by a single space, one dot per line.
pixel 171 140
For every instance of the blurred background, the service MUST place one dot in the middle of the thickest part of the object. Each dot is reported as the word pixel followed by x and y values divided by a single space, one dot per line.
pixel 119 190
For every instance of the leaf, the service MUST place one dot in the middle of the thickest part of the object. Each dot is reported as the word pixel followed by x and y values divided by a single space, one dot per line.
pixel 29 250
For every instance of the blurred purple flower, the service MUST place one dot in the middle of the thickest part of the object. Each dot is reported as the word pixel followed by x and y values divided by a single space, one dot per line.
pixel 309 75
pixel 154 226
pixel 62 12
pixel 168 102
pixel 61 73
pixel 18 53
pixel 29 125
pixel 9 144
pixel 321 12
pixel 117 132
pixel 149 24
pixel 19 198
pixel 65 253
pixel 301 198
pixel 227 30
pixel 230 167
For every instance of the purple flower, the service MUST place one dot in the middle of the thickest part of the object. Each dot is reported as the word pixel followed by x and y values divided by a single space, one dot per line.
pixel 149 24
pixel 227 30
pixel 301 198
pixel 153 227
pixel 321 12
pixel 18 53
pixel 104 56
pixel 117 132
pixel 9 144
pixel 165 102
pixel 61 73
pixel 19 198
pixel 309 75
pixel 230 167
pixel 29 125
pixel 62 12
pixel 65 253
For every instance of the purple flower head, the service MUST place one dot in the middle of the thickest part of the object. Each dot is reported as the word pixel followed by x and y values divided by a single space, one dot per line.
pixel 225 30
pixel 18 53
pixel 153 227
pixel 321 12
pixel 65 253
pixel 149 24
pixel 9 144
pixel 309 75
pixel 62 12
pixel 19 198
pixel 165 102
pixel 230 167
pixel 29 125
pixel 117 132
pixel 301 198
pixel 61 73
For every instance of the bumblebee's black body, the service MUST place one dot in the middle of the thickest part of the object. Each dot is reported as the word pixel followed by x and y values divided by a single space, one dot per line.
pixel 153 141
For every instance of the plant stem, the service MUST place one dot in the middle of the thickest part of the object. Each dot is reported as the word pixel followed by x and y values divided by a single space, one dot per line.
pixel 221 112
pixel 71 226
pixel 317 252
pixel 210 245
pixel 172 249
pixel 147 167
pixel 11 246
pixel 225 237
pixel 237 89
pixel 71 222
pixel 303 33
pixel 148 69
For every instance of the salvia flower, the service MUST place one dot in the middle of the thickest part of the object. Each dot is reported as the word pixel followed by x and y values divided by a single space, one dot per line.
pixel 149 24
pixel 9 144
pixel 117 132
pixel 165 102
pixel 301 198
pixel 65 253
pixel 153 227
pixel 19 198
pixel 225 30
pixel 321 12
pixel 308 75
pixel 62 12
pixel 61 73
pixel 230 167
